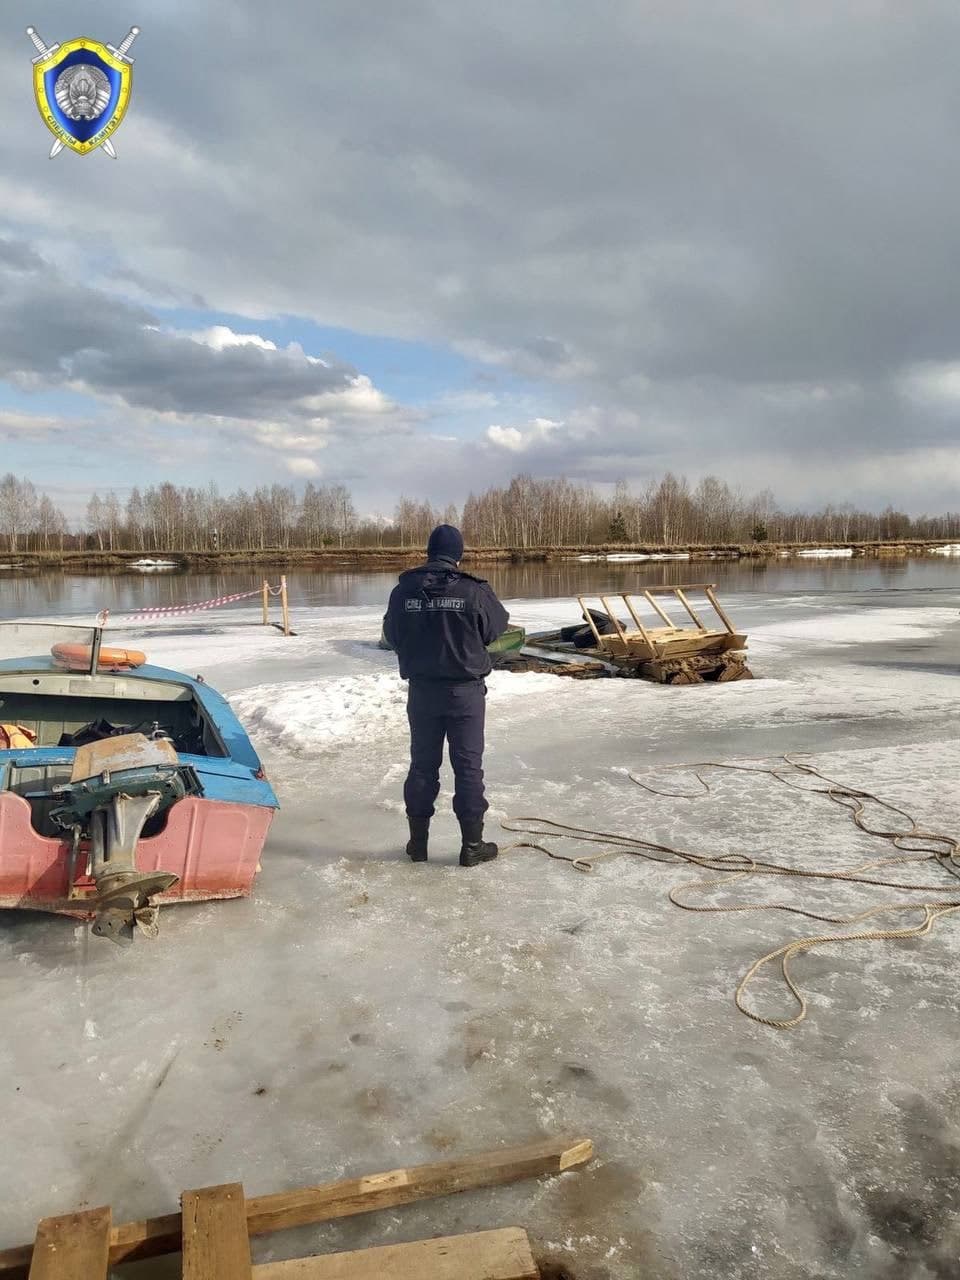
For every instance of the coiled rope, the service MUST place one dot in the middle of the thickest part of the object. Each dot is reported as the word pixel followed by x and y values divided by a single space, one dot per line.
pixel 913 845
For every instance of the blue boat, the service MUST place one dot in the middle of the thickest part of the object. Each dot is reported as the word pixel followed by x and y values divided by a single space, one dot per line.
pixel 123 786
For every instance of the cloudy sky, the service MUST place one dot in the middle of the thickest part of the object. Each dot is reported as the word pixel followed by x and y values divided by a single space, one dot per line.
pixel 419 245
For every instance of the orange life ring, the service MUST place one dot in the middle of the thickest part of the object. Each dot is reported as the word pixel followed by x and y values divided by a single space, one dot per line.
pixel 76 657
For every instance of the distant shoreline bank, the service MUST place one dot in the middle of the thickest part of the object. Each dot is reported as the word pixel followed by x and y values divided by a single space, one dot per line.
pixel 392 557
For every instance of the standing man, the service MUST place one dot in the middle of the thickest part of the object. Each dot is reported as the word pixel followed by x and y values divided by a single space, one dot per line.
pixel 439 622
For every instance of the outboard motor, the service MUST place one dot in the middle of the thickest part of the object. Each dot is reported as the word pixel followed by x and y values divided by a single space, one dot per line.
pixel 116 786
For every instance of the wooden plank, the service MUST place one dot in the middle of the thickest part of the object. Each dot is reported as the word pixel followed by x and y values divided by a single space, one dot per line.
pixel 689 608
pixel 665 616
pixel 711 596
pixel 403 1186
pixel 75 1246
pixel 628 601
pixel 284 605
pixel 216 1245
pixel 151 1237
pixel 605 643
pixel 612 615
pixel 590 622
pixel 483 1255
pixel 677 633
pixel 691 644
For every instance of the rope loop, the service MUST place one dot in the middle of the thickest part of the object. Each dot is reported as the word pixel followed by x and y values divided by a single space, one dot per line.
pixel 926 846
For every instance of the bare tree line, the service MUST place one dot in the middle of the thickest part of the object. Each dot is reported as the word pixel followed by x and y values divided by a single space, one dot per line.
pixel 525 514
pixel 29 520
pixel 531 513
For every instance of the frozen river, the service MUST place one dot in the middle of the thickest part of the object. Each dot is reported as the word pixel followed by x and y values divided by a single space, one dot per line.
pixel 360 1013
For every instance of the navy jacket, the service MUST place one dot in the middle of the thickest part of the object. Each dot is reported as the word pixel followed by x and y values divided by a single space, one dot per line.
pixel 440 621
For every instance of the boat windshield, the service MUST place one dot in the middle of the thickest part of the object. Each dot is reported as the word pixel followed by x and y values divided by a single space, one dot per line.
pixel 29 646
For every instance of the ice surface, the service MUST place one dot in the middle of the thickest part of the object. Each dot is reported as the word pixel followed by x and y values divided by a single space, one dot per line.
pixel 628 557
pixel 826 553
pixel 359 1013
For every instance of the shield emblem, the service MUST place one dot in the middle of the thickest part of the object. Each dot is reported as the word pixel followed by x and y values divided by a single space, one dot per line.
pixel 82 92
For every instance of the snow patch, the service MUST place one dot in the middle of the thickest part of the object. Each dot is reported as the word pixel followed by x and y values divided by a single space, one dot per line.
pixel 312 718
pixel 629 557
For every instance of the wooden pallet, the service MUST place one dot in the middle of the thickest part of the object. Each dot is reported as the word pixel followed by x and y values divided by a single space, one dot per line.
pixel 215 1224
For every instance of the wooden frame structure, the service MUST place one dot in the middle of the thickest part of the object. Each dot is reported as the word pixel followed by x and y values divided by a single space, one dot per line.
pixel 215 1224
pixel 668 653
pixel 668 641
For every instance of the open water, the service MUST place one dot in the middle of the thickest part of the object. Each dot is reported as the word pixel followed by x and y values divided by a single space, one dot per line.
pixel 58 594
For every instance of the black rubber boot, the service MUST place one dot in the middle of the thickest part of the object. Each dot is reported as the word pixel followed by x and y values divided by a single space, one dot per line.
pixel 417 844
pixel 475 849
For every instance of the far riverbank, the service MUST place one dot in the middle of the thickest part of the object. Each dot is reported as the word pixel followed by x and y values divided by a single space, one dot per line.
pixel 374 558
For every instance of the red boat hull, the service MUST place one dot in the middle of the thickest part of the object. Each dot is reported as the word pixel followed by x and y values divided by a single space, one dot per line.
pixel 212 846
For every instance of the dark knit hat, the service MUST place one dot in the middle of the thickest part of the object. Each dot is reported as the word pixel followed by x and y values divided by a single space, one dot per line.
pixel 446 543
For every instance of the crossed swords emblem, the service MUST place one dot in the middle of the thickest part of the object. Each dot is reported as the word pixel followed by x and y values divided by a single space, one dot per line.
pixel 118 51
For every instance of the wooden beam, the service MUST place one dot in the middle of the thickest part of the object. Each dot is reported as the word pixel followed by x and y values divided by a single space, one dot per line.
pixel 483 1255
pixel 689 608
pixel 73 1247
pixel 628 601
pixel 612 615
pixel 711 596
pixel 148 1238
pixel 585 609
pixel 663 614
pixel 284 605
pixel 216 1245
pixel 422 1182
pixel 692 643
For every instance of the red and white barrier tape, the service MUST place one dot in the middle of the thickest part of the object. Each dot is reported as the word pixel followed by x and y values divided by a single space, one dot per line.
pixel 177 610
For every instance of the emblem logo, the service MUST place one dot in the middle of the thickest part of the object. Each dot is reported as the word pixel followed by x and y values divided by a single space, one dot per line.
pixel 83 90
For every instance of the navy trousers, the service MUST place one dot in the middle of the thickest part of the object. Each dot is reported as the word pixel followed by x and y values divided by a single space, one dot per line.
pixel 454 711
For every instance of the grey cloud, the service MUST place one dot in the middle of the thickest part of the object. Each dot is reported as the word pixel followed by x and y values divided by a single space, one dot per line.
pixel 723 187
pixel 54 331
pixel 156 289
pixel 19 257
pixel 702 213
pixel 169 373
